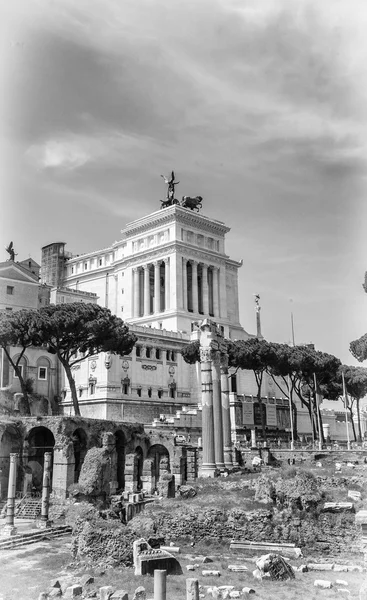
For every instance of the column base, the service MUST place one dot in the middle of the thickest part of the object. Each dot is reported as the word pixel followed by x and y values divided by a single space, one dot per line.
pixel 44 524
pixel 209 470
pixel 8 531
pixel 220 466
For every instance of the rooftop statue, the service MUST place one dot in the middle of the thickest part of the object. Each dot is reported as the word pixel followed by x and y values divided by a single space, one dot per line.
pixel 192 203
pixel 186 202
pixel 170 198
pixel 10 250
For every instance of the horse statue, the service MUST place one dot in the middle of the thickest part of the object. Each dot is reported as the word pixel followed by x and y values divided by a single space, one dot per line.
pixel 192 203
pixel 168 202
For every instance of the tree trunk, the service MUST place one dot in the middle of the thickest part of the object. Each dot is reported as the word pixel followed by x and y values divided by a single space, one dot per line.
pixel 259 379
pixel 359 419
pixel 71 381
pixel 352 420
pixel 23 386
pixel 294 413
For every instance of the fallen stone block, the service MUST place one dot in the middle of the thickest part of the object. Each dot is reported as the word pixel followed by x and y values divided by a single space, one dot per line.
pixel 210 573
pixel 86 580
pixel 337 507
pixel 106 592
pixel 174 549
pixel 320 566
pixel 275 565
pixel 300 569
pixel 120 595
pixel 248 590
pixel 55 593
pixel 226 588
pixel 237 568
pixel 73 591
pixel 203 559
pixel 235 594
pixel 354 495
pixel 258 574
pixel 341 582
pixel 350 464
pixel 323 583
pixel 140 593
pixel 190 567
pixel 214 592
pixel 43 596
pixel 340 568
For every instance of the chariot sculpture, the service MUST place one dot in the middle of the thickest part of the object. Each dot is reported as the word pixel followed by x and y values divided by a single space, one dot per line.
pixel 186 202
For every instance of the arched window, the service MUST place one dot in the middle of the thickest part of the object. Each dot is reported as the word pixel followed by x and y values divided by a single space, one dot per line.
pixel 148 352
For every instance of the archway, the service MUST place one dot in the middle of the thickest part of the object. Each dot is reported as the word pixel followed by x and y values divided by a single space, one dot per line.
pixel 157 452
pixel 120 450
pixel 79 438
pixel 40 440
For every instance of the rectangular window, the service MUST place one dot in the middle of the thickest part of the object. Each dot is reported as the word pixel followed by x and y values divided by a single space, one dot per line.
pixel 42 373
pixel 122 291
pixel 21 371
pixel 100 262
pixel 85 266
pixel 10 290
pixel 72 270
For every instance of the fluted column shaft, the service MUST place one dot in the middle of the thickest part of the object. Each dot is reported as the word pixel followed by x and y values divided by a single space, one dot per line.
pixel 216 291
pixel 136 293
pixel 205 290
pixel 217 412
pixel 208 465
pixel 184 283
pixel 166 283
pixel 195 303
pixel 157 288
pixel 146 291
pixel 226 417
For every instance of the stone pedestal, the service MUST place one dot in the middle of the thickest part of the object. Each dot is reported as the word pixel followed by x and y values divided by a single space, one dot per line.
pixel 63 469
pixel 192 589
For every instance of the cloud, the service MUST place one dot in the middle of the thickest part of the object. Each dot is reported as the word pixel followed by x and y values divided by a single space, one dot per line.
pixel 58 154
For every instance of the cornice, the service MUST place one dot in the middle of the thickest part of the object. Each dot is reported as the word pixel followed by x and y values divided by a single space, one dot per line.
pixel 171 214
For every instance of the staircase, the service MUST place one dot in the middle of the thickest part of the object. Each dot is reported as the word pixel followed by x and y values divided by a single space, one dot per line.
pixel 28 508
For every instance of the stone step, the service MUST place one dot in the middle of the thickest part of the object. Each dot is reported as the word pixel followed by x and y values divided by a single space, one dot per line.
pixel 32 537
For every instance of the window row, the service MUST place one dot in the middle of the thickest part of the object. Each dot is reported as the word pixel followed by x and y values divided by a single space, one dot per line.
pixel 156 353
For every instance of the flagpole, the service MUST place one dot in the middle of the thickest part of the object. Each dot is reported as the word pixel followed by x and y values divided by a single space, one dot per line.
pixel 291 411
pixel 318 413
pixel 346 413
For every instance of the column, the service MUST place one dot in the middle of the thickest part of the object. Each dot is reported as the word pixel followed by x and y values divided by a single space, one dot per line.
pixel 208 465
pixel 166 283
pixel 217 412
pixel 157 287
pixel 184 283
pixel 216 291
pixel 223 292
pixel 46 485
pixel 160 578
pixel 226 417
pixel 136 293
pixel 205 290
pixel 9 528
pixel 146 291
pixel 195 304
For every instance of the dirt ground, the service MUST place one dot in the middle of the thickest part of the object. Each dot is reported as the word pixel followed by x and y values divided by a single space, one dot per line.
pixel 27 572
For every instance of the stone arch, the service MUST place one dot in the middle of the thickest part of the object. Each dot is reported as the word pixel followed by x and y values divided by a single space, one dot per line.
pixel 38 441
pixel 80 442
pixel 159 455
pixel 121 453
pixel 10 442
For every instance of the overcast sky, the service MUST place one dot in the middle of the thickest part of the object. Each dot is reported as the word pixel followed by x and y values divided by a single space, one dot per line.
pixel 259 106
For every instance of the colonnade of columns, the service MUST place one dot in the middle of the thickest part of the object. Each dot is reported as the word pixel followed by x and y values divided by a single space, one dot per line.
pixel 10 528
pixel 200 285
pixel 151 288
pixel 216 424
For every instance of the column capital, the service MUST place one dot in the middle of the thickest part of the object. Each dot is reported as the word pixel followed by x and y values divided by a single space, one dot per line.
pixel 146 267
pixel 206 354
